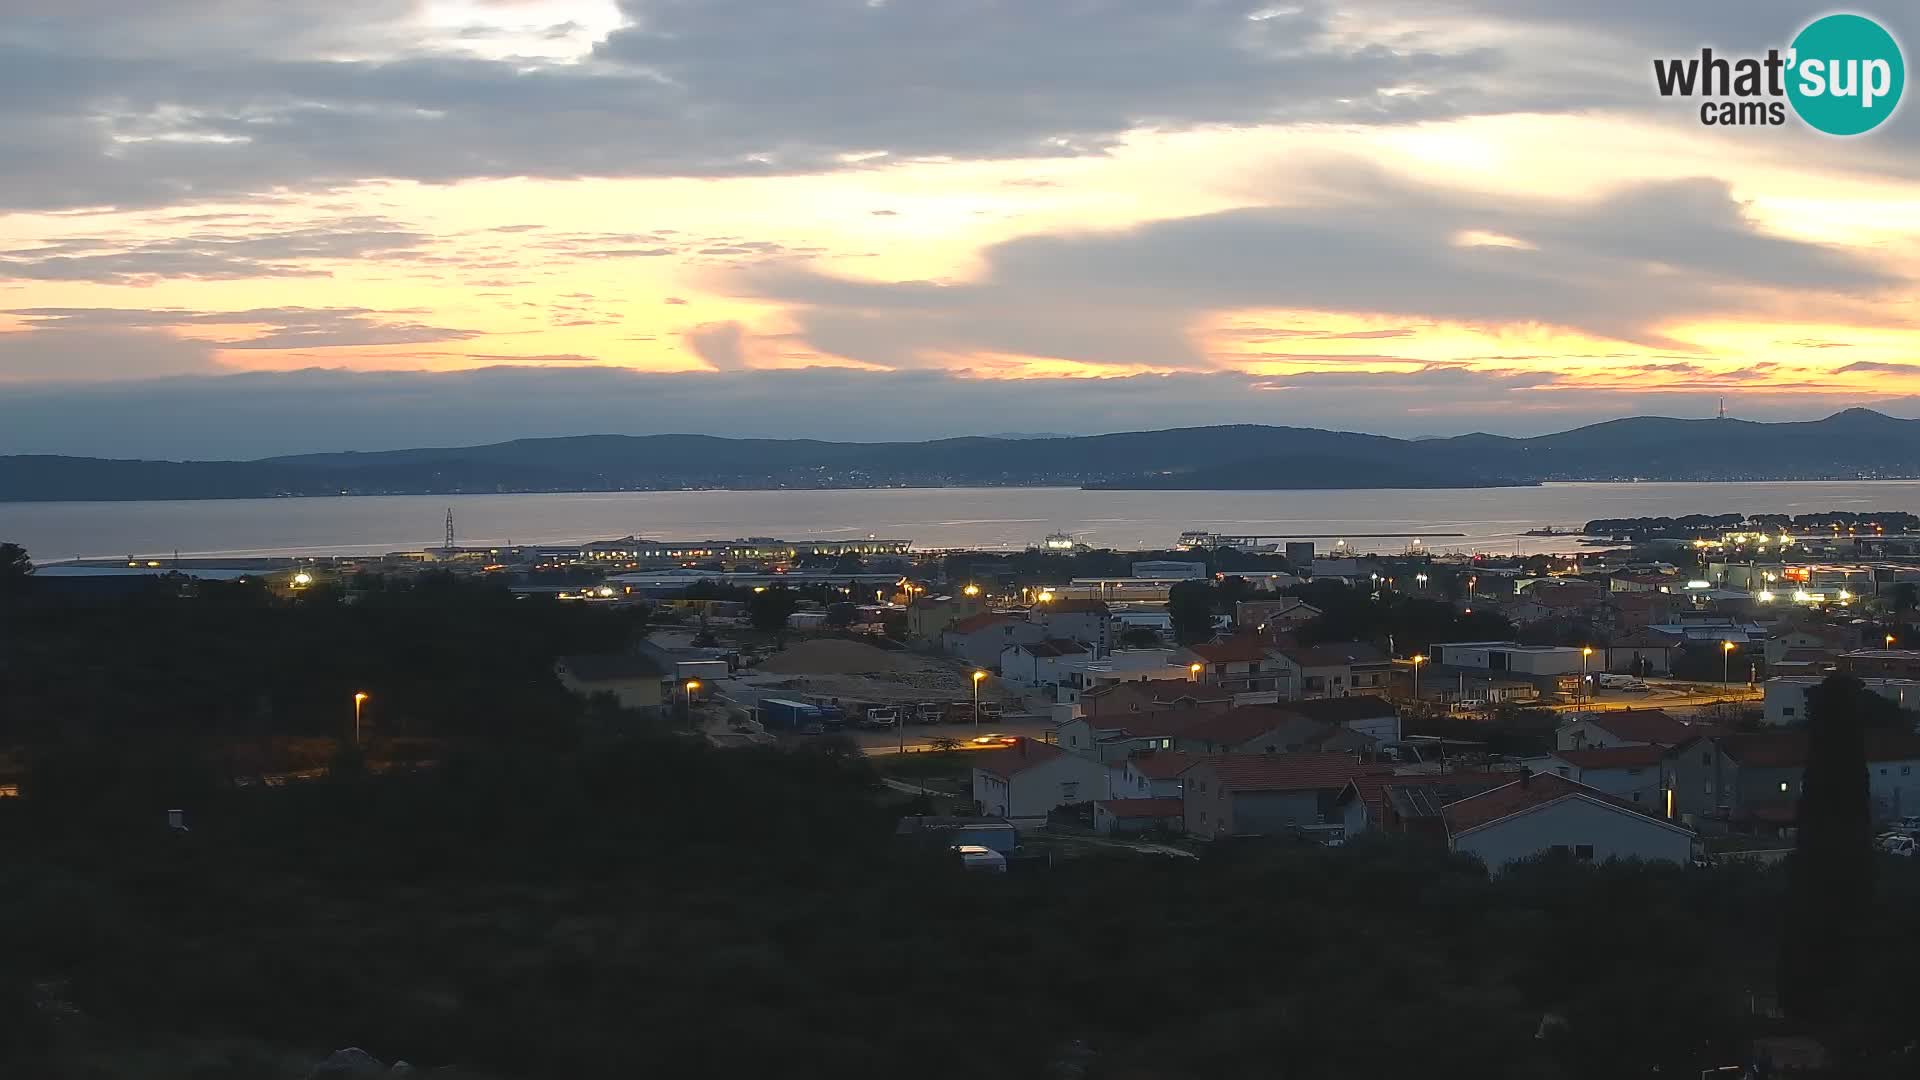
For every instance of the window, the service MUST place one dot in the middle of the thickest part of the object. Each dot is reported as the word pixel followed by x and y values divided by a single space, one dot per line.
pixel 1787 711
pixel 1706 757
pixel 1069 790
pixel 1905 770
pixel 1559 849
pixel 1636 796
pixel 1562 770
pixel 1783 786
pixel 1635 772
pixel 1583 852
pixel 1706 787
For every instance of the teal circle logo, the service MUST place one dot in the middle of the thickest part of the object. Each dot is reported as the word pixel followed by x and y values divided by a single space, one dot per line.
pixel 1846 74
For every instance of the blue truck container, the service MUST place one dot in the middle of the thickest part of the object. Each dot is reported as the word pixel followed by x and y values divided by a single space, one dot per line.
pixel 779 714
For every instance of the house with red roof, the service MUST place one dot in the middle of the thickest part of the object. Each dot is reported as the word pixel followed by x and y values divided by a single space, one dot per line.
pixel 1150 775
pixel 1267 794
pixel 1756 778
pixel 1041 663
pixel 1538 814
pixel 1410 803
pixel 1028 779
pixel 1114 739
pixel 1266 729
pixel 1237 665
pixel 1633 773
pixel 1149 695
pixel 1089 622
pixel 1120 817
pixel 1333 669
pixel 978 639
pixel 1627 727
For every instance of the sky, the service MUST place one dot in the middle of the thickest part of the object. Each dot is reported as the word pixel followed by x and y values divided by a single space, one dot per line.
pixel 236 228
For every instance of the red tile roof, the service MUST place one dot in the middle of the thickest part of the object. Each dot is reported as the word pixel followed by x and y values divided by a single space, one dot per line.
pixel 1054 647
pixel 1017 758
pixel 1143 808
pixel 1162 764
pixel 1236 726
pixel 1788 749
pixel 1068 607
pixel 1372 789
pixel 1334 654
pixel 1240 649
pixel 977 622
pixel 1521 795
pixel 1151 723
pixel 1287 772
pixel 1643 726
pixel 1342 710
pixel 1616 757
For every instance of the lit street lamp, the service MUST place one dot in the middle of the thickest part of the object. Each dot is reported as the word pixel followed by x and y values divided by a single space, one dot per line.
pixel 359 700
pixel 977 676
pixel 1417 661
pixel 1194 670
pixel 1586 653
pixel 1726 661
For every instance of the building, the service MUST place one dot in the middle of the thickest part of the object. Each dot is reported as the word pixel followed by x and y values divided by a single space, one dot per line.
pixel 1263 729
pixel 1122 817
pixel 1756 777
pixel 1410 804
pixel 1642 653
pixel 1152 775
pixel 1881 663
pixel 1628 727
pixel 1512 656
pixel 1040 663
pixel 1273 616
pixel 1087 675
pixel 1299 554
pixel 1089 622
pixel 1332 670
pixel 1237 665
pixel 929 617
pixel 1376 718
pixel 1633 773
pixel 1168 570
pixel 1116 738
pixel 1028 779
pixel 1832 640
pixel 978 639
pixel 1547 813
pixel 636 680
pixel 1265 794
pixel 1119 699
pixel 1786 695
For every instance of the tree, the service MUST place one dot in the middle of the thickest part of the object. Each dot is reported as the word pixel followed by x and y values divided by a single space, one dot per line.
pixel 1830 892
pixel 841 616
pixel 1139 637
pixel 1190 603
pixel 15 568
pixel 1903 597
pixel 768 608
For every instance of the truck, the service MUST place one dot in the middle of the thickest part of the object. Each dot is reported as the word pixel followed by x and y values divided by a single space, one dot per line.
pixel 880 718
pixel 1619 682
pixel 779 714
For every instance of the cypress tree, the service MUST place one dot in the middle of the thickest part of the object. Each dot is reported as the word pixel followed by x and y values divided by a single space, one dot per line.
pixel 1822 949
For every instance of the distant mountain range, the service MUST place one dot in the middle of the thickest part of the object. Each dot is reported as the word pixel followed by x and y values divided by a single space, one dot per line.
pixel 1857 443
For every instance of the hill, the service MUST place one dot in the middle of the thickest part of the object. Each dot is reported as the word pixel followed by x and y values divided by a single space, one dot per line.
pixel 1856 443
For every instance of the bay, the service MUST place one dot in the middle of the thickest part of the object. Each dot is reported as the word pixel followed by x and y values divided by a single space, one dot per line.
pixel 1491 519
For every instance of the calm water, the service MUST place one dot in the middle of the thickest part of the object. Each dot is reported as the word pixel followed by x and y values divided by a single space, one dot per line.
pixel 1491 518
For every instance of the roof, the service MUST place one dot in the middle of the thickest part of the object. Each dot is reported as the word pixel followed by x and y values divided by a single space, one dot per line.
pixel 1643 725
pixel 1143 808
pixel 1051 647
pixel 1069 607
pixel 1616 757
pixel 612 667
pixel 1018 758
pixel 1646 639
pixel 1334 654
pixel 1239 649
pixel 1448 787
pixel 1161 690
pixel 977 622
pixel 1236 726
pixel 1560 596
pixel 1149 723
pixel 1527 793
pixel 1342 710
pixel 1162 764
pixel 1287 772
pixel 1788 749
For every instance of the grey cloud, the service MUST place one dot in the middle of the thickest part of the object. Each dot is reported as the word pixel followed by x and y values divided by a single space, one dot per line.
pixel 92 353
pixel 1615 268
pixel 721 344
pixel 209 254
pixel 287 327
pixel 745 87
pixel 248 415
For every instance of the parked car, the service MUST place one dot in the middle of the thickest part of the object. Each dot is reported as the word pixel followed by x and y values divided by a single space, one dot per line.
pixel 1897 844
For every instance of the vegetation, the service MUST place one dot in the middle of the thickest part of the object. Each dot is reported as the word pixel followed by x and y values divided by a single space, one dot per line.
pixel 1823 953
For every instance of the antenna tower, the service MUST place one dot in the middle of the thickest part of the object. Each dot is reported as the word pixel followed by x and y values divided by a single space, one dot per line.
pixel 449 528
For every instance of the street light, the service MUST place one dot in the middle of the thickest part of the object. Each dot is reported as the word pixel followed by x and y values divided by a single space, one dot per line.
pixel 1586 653
pixel 1889 641
pixel 1045 597
pixel 971 590
pixel 359 699
pixel 977 676
pixel 1194 670
pixel 1417 661
pixel 1726 661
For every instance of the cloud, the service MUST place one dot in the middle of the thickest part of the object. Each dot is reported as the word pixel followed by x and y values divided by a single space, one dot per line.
pixel 720 344
pixel 92 353
pixel 166 103
pixel 1620 267
pixel 210 255
pixel 259 414
pixel 282 328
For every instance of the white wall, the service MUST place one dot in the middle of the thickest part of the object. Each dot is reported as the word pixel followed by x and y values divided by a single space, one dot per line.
pixel 1895 788
pixel 1039 789
pixel 1382 729
pixel 1614 832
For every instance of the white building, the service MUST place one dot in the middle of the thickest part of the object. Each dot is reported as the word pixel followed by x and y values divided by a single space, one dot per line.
pixel 1041 663
pixel 1786 695
pixel 978 639
pixel 1539 814
pixel 1168 570
pixel 1632 773
pixel 1515 657
pixel 1030 778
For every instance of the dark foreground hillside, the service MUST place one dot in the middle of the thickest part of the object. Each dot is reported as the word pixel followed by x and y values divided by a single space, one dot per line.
pixel 657 908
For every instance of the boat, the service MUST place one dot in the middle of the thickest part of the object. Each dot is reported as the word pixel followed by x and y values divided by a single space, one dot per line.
pixel 1551 530
pixel 1058 542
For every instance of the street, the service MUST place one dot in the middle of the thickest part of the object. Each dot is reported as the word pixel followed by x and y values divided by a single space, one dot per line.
pixel 920 737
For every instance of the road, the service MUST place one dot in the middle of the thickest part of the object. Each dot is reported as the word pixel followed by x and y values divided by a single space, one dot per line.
pixel 920 737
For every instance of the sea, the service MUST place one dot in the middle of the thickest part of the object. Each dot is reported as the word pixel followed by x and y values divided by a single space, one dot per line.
pixel 1490 520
